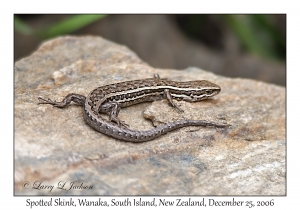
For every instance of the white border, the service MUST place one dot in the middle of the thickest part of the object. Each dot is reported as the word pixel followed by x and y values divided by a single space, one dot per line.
pixel 150 7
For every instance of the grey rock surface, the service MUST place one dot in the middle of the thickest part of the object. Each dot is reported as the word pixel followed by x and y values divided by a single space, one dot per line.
pixel 55 147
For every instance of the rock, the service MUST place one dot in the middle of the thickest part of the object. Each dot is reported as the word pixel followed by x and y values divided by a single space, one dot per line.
pixel 54 147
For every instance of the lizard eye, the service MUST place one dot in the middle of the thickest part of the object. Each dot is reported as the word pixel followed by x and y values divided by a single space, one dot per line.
pixel 209 92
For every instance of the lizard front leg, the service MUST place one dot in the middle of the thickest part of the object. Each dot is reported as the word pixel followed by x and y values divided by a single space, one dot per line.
pixel 113 108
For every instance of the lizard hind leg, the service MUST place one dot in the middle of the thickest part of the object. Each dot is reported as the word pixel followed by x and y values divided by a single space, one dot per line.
pixel 76 98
